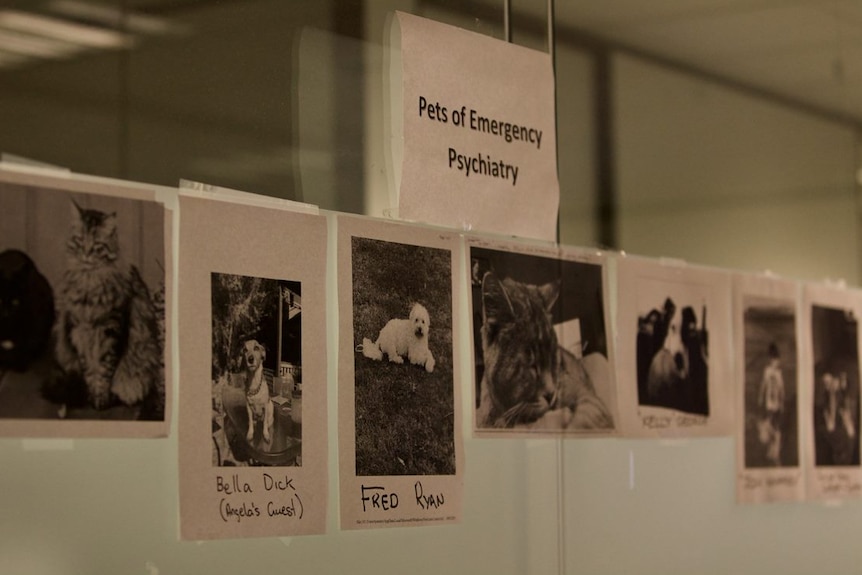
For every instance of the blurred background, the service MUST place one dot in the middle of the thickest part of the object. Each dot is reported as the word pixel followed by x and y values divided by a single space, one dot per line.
pixel 722 132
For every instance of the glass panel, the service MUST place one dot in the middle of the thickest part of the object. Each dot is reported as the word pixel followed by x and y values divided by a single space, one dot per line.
pixel 286 99
pixel 717 177
pixel 60 89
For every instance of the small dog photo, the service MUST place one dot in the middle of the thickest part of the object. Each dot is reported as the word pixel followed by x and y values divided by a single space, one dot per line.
pixel 403 339
pixel 256 371
pixel 402 328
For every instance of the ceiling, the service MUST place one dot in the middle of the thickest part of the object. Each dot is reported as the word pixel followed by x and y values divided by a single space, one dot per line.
pixel 805 52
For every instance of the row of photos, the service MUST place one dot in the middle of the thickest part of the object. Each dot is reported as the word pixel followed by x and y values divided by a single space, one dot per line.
pixel 85 351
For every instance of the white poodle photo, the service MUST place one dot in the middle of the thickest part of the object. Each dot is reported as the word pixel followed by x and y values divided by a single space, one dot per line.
pixel 403 338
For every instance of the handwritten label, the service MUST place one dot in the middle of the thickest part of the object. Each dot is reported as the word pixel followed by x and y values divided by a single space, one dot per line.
pixel 374 497
pixel 379 498
pixel 428 500
pixel 277 498
pixel 837 483
pixel 677 420
pixel 752 482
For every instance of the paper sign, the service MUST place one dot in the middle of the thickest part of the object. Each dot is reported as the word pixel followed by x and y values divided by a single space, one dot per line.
pixel 768 374
pixel 831 324
pixel 252 316
pixel 476 128
pixel 86 275
pixel 674 353
pixel 401 461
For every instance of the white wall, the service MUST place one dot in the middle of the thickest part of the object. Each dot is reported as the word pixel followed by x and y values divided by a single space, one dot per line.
pixel 717 177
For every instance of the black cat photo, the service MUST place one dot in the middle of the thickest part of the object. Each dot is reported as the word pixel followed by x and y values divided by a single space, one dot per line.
pixel 81 329
pixel 26 311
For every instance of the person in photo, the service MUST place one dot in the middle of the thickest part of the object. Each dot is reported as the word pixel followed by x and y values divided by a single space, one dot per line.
pixel 771 400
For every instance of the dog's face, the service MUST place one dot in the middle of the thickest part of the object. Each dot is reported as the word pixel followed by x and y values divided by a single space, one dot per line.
pixel 675 345
pixel 420 320
pixel 253 354
pixel 688 328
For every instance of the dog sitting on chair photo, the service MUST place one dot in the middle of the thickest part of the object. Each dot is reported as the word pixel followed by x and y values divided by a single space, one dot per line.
pixel 258 403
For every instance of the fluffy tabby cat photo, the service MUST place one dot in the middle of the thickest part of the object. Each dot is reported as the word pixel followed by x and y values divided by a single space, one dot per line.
pixel 26 311
pixel 529 379
pixel 107 334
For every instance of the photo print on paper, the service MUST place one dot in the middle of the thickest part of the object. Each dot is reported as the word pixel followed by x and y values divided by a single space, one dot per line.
pixel 81 306
pixel 540 341
pixel 404 379
pixel 256 371
pixel 672 350
pixel 834 334
pixel 771 394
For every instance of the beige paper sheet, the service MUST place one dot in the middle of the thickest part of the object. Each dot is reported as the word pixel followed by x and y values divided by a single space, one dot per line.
pixel 831 383
pixel 401 457
pixel 658 398
pixel 527 382
pixel 35 218
pixel 242 268
pixel 768 371
pixel 452 81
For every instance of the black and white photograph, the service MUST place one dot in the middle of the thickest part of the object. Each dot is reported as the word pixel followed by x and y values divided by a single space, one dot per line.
pixel 835 344
pixel 673 351
pixel 399 393
pixel 402 325
pixel 252 314
pixel 830 346
pixel 769 368
pixel 540 342
pixel 771 396
pixel 82 305
pixel 256 371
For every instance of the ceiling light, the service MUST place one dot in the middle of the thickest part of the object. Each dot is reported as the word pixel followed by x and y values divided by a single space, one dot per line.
pixel 36 46
pixel 114 17
pixel 89 36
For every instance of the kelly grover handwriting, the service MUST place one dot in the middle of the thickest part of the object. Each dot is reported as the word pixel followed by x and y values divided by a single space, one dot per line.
pixel 664 421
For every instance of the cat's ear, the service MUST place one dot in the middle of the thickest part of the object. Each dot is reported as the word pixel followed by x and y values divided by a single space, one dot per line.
pixel 109 224
pixel 77 211
pixel 550 292
pixel 496 306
